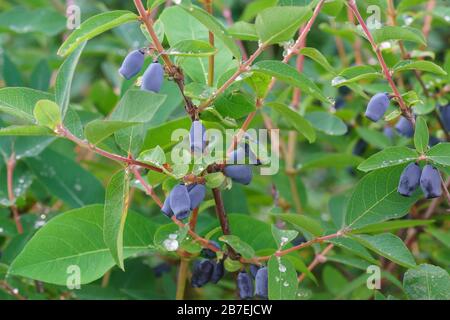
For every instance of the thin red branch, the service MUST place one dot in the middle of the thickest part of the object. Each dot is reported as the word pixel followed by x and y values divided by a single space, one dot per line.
pixel 319 258
pixel 10 166
pixel 148 189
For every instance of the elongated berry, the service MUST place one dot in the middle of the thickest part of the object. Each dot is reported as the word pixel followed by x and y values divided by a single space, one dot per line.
pixel 405 127
pixel 245 285
pixel 166 207
pixel 239 173
pixel 409 180
pixel 218 271
pixel 344 90
pixel 262 283
pixel 377 106
pixel 388 132
pixel 254 269
pixel 430 182
pixel 445 116
pixel 132 64
pixel 180 202
pixel 339 103
pixel 434 141
pixel 201 274
pixel 153 77
pixel 208 253
pixel 196 195
pixel 197 137
pixel 359 148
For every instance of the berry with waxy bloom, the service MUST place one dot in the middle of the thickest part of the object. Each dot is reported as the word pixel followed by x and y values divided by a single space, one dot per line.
pixel 239 173
pixel 359 148
pixel 132 64
pixel 166 207
pixel 153 77
pixel 180 202
pixel 377 106
pixel 218 271
pixel 196 193
pixel 262 283
pixel 445 116
pixel 409 180
pixel 434 141
pixel 201 273
pixel 430 182
pixel 388 132
pixel 245 285
pixel 197 137
pixel 254 269
pixel 405 127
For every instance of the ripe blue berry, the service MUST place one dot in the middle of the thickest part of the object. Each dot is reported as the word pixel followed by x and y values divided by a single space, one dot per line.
pixel 208 253
pixel 196 194
pixel 218 271
pixel 405 127
pixel 132 64
pixel 237 156
pixel 430 182
pixel 254 269
pixel 434 141
pixel 202 273
pixel 197 137
pixel 344 90
pixel 339 103
pixel 180 202
pixel 409 180
pixel 388 132
pixel 359 148
pixel 377 106
pixel 445 116
pixel 153 77
pixel 262 283
pixel 166 207
pixel 245 285
pixel 239 173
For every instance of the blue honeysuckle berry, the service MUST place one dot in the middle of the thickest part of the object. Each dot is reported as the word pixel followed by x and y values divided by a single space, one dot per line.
pixel 405 127
pixel 388 132
pixel 445 116
pixel 245 285
pixel 132 64
pixel 180 202
pixel 344 90
pixel 239 173
pixel 201 274
pixel 253 270
pixel 161 268
pixel 377 106
pixel 237 156
pixel 339 103
pixel 218 271
pixel 196 194
pixel 430 182
pixel 409 180
pixel 262 283
pixel 208 253
pixel 153 77
pixel 298 240
pixel 197 137
pixel 166 207
pixel 434 141
pixel 359 148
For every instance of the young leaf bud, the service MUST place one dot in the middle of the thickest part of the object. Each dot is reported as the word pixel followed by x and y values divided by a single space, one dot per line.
pixel 409 180
pixel 153 77
pixel 132 64
pixel 377 106
pixel 430 182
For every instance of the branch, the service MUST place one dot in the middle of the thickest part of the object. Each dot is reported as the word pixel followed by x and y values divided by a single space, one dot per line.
pixel 181 280
pixel 319 258
pixel 223 219
pixel 148 189
pixel 10 165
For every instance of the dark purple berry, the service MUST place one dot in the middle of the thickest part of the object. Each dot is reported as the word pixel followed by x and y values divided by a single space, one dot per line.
pixel 262 283
pixel 344 90
pixel 196 195
pixel 239 173
pixel 132 64
pixel 388 132
pixel 197 137
pixel 218 271
pixel 405 127
pixel 180 202
pixel 208 253
pixel 434 141
pixel 254 269
pixel 377 106
pixel 166 207
pixel 245 285
pixel 237 156
pixel 445 116
pixel 298 240
pixel 161 268
pixel 359 148
pixel 202 272
pixel 409 180
pixel 430 182
pixel 339 103
pixel 153 77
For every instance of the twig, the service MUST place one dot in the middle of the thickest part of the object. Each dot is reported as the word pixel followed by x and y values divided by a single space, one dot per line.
pixel 11 290
pixel 357 42
pixel 181 280
pixel 10 166
pixel 148 189
pixel 193 219
pixel 319 258
pixel 223 219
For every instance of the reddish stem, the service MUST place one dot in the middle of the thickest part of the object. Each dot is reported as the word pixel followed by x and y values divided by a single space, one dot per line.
pixel 148 189
pixel 319 258
pixel 10 166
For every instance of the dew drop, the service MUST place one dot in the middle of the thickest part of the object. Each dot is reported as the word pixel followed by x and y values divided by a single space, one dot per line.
pixel 170 244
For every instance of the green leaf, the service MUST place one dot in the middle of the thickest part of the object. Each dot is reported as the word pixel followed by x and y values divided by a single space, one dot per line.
pixel 318 57
pixel 214 180
pixel 374 137
pixel 94 26
pixel 389 246
pixel 283 282
pixel 40 77
pixel 47 114
pixel 330 160
pixel 75 238
pixel 391 156
pixel 375 199
pixel 440 154
pixel 115 211
pixel 442 236
pixel 354 247
pixel 192 48
pixel 244 31
pixel 64 79
pixel 11 73
pixel 392 225
pixel 98 130
pixel 303 222
pixel 283 237
pixel 387 33
pixel 427 282
pixel 278 24
pixel 26 130
pixel 243 248
pixel 20 102
pixel 421 65
pixel 155 157
pixel 354 74
pixel 66 179
pixel 215 27
pixel 421 135
pixel 290 75
pixel 295 119
pixel 327 123
pixel 235 105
